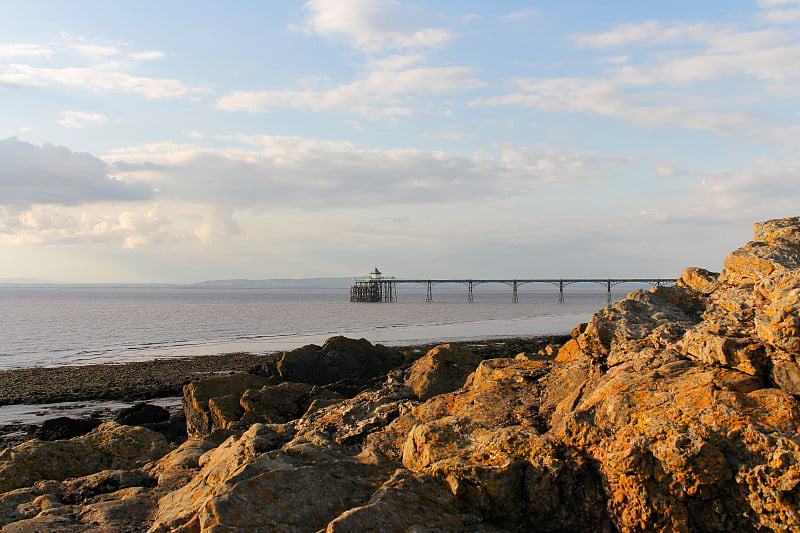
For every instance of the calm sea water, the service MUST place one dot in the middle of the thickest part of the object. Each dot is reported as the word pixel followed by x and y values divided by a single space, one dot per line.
pixel 52 326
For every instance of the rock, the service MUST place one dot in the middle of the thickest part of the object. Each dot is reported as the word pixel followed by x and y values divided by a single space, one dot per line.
pixel 173 429
pixel 177 467
pixel 350 422
pixel 337 359
pixel 196 396
pixel 646 322
pixel 699 280
pixel 243 470
pixel 677 443
pixel 141 414
pixel 64 427
pixel 276 404
pixel 109 446
pixel 105 501
pixel 786 375
pixel 409 502
pixel 671 410
pixel 443 369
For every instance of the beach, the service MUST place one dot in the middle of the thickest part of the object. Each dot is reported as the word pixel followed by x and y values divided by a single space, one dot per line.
pixel 60 391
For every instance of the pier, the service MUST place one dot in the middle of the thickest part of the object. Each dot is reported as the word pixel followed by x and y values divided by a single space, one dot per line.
pixel 375 287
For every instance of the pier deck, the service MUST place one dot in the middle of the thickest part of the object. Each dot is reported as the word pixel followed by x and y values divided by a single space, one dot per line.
pixel 379 289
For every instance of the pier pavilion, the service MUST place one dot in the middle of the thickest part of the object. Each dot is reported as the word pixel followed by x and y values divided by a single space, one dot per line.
pixel 375 287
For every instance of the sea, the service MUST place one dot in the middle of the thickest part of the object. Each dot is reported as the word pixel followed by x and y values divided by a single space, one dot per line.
pixel 50 325
pixel 45 326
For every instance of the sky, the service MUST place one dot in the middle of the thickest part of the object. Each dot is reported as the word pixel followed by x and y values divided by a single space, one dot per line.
pixel 179 141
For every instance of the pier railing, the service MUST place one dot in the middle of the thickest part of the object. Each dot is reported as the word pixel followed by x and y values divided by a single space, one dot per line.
pixel 385 290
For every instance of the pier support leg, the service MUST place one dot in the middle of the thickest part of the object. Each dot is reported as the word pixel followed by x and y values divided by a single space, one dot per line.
pixel 469 291
pixel 429 294
pixel 514 294
pixel 608 292
pixel 561 292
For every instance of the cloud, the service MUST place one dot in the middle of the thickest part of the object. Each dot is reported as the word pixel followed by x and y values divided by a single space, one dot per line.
pixel 55 175
pixel 521 14
pixel 314 174
pixel 96 79
pixel 373 25
pixel 367 96
pixel 87 65
pixel 220 225
pixel 773 3
pixel 24 50
pixel 56 225
pixel 147 56
pixel 767 188
pixel 649 33
pixel 604 98
pixel 94 51
pixel 661 87
pixel 78 119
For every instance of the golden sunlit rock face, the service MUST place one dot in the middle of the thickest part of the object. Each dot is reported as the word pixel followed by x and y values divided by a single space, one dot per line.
pixel 671 410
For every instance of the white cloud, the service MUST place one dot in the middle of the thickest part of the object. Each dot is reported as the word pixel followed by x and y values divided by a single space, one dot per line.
pixel 55 225
pixel 397 62
pixel 220 225
pixel 650 33
pixel 604 98
pixel 313 174
pixel 96 79
pixel 615 59
pixel 94 51
pixel 773 3
pixel 373 25
pixel 24 50
pixel 55 175
pixel 78 119
pixel 377 94
pixel 657 89
pixel 521 14
pixel 147 56
pixel 767 188
pixel 781 16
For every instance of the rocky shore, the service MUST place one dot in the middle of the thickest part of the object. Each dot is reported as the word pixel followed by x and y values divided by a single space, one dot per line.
pixel 675 409
pixel 143 381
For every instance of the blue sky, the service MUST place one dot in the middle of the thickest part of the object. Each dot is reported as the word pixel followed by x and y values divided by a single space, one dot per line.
pixel 184 141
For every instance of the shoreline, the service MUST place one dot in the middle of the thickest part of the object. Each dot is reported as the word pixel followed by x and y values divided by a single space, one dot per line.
pixel 94 387
pixel 158 378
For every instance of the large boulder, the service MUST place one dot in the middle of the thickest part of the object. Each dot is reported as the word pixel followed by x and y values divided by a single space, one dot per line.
pixel 65 427
pixel 198 394
pixel 339 358
pixel 141 414
pixel 108 447
pixel 240 406
pixel 443 369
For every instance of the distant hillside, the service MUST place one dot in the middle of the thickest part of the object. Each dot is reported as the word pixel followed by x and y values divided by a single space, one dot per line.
pixel 310 283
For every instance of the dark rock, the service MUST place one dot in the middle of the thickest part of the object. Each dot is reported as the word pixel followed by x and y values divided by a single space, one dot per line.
pixel 173 429
pixel 141 414
pixel 265 370
pixel 64 427
pixel 337 359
